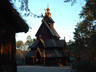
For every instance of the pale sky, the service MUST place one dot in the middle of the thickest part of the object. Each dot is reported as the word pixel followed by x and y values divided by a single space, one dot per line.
pixel 64 15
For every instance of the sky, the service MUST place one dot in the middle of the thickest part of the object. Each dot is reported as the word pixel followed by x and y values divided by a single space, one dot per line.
pixel 64 15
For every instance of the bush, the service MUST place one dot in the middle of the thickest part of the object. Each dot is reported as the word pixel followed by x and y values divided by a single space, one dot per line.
pixel 84 66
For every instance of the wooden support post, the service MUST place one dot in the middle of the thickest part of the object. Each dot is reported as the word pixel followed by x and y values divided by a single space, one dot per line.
pixel 66 61
pixel 7 52
pixel 44 56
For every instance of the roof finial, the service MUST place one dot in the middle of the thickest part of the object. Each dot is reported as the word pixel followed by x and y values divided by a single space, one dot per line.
pixel 47 11
pixel 64 37
pixel 47 5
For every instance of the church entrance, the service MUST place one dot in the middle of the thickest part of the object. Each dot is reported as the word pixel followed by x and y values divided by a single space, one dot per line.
pixel 38 58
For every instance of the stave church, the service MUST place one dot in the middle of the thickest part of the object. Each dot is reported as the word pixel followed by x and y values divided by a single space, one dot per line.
pixel 48 49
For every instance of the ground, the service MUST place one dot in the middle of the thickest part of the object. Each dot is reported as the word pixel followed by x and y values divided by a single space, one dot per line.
pixel 43 69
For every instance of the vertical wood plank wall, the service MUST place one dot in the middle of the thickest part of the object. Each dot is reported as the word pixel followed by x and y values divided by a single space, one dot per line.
pixel 7 51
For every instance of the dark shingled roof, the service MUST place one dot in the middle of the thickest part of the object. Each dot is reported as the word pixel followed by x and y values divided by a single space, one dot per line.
pixel 31 53
pixel 48 53
pixel 53 53
pixel 49 18
pixel 49 43
pixel 34 44
pixel 64 53
pixel 53 31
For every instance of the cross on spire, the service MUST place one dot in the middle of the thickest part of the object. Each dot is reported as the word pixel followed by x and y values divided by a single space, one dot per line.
pixel 47 11
pixel 47 5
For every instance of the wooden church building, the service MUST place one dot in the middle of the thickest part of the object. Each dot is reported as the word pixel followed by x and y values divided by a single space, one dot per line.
pixel 48 49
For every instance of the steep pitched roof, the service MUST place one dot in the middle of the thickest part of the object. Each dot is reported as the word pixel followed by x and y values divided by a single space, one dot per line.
pixel 36 43
pixel 52 31
pixel 51 53
pixel 33 45
pixel 54 43
pixel 64 52
pixel 31 53
pixel 50 19
pixel 49 43
pixel 48 53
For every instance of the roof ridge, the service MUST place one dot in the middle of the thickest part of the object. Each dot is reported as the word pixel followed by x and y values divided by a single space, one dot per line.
pixel 53 42
pixel 56 32
pixel 50 18
pixel 48 26
pixel 51 29
pixel 57 53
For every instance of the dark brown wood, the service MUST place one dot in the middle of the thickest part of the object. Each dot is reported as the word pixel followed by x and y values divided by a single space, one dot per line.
pixel 7 51
pixel 49 49
pixel 10 23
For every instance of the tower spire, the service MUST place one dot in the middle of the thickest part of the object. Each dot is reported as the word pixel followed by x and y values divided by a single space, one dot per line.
pixel 47 5
pixel 48 11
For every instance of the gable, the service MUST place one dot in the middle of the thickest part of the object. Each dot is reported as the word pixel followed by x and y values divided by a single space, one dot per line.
pixel 48 19
pixel 44 32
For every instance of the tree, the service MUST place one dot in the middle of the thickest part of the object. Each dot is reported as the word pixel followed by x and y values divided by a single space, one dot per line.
pixel 85 37
pixel 89 10
pixel 19 44
pixel 30 40
pixel 24 7
pixel 83 49
pixel 71 47
pixel 72 1
pixel 84 45
pixel 20 56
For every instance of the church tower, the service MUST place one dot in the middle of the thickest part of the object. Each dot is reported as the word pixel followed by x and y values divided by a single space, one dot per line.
pixel 47 30
pixel 48 11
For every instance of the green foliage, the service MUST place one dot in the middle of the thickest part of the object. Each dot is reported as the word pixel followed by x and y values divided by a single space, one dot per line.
pixel 72 1
pixel 85 37
pixel 84 48
pixel 89 9
pixel 24 7
pixel 19 43
pixel 23 4
pixel 85 66
pixel 30 40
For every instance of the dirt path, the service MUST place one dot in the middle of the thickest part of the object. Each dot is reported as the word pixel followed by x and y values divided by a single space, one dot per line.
pixel 43 69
